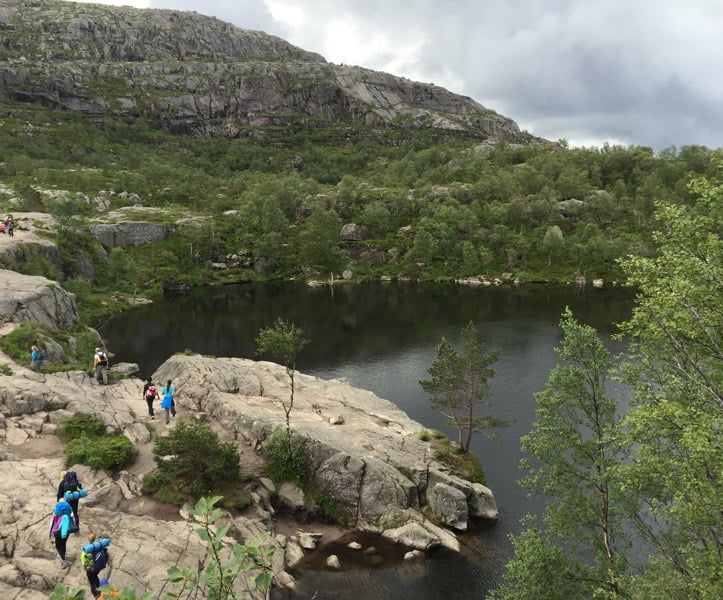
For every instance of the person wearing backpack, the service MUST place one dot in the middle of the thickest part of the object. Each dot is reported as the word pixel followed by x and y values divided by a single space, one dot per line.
pixel 100 363
pixel 168 403
pixel 94 562
pixel 149 393
pixel 37 356
pixel 60 526
pixel 70 483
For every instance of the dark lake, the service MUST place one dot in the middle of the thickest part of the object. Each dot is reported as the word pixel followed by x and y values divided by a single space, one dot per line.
pixel 382 337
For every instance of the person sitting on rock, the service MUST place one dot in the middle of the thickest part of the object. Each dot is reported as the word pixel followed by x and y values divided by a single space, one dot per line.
pixel 100 363
pixel 60 526
pixel 70 483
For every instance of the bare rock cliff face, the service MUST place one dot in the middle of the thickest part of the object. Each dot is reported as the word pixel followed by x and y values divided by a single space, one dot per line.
pixel 36 299
pixel 194 74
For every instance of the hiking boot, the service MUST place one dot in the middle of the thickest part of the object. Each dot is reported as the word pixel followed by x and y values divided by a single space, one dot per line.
pixel 64 564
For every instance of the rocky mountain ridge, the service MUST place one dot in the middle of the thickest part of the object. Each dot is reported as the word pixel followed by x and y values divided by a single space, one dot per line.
pixel 198 75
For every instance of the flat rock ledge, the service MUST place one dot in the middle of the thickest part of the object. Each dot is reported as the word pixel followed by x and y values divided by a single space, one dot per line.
pixel 373 465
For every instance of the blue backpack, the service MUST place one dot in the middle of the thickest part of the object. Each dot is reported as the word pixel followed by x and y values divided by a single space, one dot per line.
pixel 100 559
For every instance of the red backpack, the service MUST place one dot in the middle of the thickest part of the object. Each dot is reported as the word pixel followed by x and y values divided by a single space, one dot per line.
pixel 151 392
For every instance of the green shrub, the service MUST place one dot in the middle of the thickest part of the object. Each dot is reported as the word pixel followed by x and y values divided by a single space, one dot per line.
pixel 107 453
pixel 425 436
pixel 331 510
pixel 191 462
pixel 286 461
pixel 82 424
pixel 5 369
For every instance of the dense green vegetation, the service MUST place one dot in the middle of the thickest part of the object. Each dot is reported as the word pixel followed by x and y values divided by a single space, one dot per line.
pixel 439 209
pixel 537 212
pixel 89 443
pixel 635 498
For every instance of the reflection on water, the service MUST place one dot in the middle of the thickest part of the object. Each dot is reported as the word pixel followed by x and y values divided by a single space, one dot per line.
pixel 383 337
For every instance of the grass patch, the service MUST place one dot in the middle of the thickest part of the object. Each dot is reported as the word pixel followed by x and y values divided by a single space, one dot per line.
pixel 463 464
pixel 330 510
pixel 77 345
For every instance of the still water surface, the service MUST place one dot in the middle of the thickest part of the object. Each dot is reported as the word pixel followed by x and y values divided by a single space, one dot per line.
pixel 382 337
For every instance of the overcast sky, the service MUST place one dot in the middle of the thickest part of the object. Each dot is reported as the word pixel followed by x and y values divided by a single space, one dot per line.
pixel 632 72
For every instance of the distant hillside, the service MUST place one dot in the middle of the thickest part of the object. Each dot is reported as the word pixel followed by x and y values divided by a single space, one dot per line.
pixel 198 75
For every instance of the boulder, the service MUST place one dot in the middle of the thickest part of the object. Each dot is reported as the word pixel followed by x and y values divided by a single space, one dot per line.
pixel 293 553
pixel 291 496
pixel 309 541
pixel 352 232
pixel 36 299
pixel 125 368
pixel 129 234
pixel 482 503
pixel 449 505
pixel 414 535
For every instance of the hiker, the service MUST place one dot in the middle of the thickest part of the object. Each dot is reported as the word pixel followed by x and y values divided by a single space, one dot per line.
pixel 149 393
pixel 70 483
pixel 168 403
pixel 94 562
pixel 37 356
pixel 100 362
pixel 10 228
pixel 60 526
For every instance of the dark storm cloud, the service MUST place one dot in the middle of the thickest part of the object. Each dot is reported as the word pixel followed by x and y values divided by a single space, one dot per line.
pixel 639 72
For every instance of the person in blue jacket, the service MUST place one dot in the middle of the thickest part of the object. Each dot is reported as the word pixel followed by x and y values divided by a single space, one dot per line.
pixel 168 404
pixel 60 529
pixel 37 356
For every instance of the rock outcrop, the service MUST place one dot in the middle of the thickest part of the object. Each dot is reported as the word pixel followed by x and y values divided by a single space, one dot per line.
pixel 129 234
pixel 195 74
pixel 26 243
pixel 37 299
pixel 373 465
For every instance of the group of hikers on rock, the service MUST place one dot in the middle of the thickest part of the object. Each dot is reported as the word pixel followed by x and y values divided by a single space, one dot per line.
pixel 100 362
pixel 100 366
pixel 8 226
pixel 65 520
pixel 168 402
